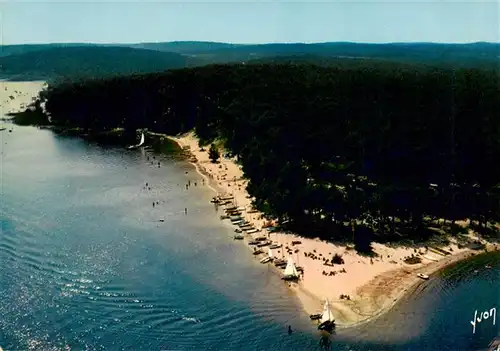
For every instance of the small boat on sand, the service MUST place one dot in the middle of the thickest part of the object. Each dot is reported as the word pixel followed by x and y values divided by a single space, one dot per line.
pixel 238 237
pixel 291 272
pixel 315 317
pixel 266 260
pixel 258 252
pixel 280 262
pixel 275 246
pixel 269 257
pixel 263 244
pixel 327 322
pixel 423 276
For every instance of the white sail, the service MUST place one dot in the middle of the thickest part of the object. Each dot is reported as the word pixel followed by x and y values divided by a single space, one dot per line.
pixel 138 145
pixel 290 270
pixel 270 253
pixel 142 140
pixel 327 315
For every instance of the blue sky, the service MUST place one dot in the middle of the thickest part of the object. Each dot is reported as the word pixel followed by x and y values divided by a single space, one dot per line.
pixel 249 22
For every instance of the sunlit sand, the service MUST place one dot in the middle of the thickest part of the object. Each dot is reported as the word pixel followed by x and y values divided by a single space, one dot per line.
pixel 16 96
pixel 373 285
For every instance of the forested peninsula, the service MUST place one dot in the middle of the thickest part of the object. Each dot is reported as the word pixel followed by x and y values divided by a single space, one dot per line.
pixel 363 152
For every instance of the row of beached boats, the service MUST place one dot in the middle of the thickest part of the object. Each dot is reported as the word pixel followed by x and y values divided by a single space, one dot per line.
pixel 260 243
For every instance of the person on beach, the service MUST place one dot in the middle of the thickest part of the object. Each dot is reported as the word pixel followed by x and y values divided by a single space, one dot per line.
pixel 289 329
pixel 185 210
pixel 153 204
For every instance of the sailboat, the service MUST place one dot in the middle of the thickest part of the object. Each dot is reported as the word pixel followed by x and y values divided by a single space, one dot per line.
pixel 131 147
pixel 327 322
pixel 290 271
pixel 269 257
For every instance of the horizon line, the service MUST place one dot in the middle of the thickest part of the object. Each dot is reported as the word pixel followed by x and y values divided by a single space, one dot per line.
pixel 254 44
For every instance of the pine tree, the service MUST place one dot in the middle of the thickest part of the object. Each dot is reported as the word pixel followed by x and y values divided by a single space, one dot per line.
pixel 213 153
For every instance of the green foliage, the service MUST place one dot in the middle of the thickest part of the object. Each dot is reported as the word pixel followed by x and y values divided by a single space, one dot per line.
pixel 337 259
pixel 213 153
pixel 73 60
pixel 33 116
pixel 413 260
pixel 388 148
pixel 87 61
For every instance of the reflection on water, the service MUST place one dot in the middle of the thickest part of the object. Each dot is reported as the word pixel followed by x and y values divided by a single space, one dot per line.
pixel 85 263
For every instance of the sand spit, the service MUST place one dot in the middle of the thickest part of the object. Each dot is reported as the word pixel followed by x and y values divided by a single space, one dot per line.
pixel 16 96
pixel 373 285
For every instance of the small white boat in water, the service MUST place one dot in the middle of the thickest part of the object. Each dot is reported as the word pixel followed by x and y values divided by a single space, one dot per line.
pixel 423 276
pixel 131 147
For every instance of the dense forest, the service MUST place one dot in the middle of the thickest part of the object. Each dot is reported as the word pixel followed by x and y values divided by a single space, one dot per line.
pixel 87 61
pixel 72 60
pixel 383 151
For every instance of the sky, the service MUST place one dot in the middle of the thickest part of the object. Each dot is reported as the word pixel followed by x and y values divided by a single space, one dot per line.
pixel 248 22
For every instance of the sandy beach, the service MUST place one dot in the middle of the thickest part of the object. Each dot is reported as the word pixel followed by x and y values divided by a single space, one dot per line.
pixel 373 285
pixel 16 96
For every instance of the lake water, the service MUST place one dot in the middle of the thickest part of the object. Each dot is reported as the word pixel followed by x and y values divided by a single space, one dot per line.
pixel 85 264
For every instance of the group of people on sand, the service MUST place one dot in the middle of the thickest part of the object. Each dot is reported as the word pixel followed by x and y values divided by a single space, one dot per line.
pixel 346 297
pixel 333 273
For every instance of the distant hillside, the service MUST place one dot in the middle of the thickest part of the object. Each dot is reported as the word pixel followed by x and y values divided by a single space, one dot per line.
pixel 186 47
pixel 180 47
pixel 87 61
pixel 462 55
pixel 6 50
pixel 55 60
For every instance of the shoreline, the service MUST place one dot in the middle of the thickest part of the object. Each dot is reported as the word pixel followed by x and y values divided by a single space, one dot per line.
pixel 374 286
pixel 15 96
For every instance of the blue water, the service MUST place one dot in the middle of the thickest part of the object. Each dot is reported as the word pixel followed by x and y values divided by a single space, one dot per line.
pixel 85 264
